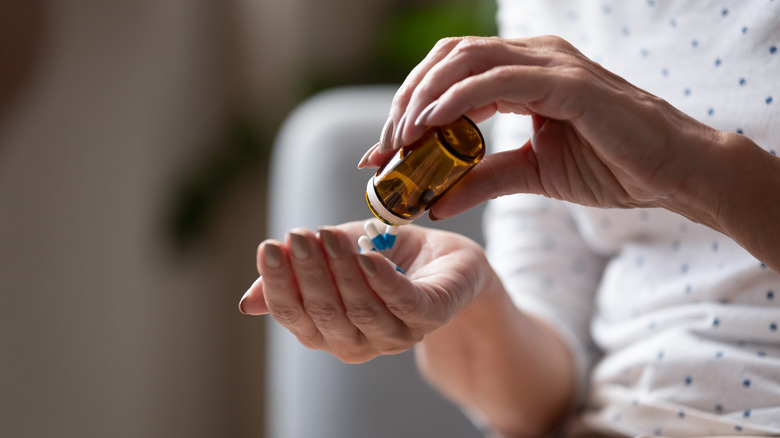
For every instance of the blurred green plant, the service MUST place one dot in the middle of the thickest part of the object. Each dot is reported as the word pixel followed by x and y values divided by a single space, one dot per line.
pixel 414 30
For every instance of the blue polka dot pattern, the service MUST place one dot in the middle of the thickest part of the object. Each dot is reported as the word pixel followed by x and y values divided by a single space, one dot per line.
pixel 687 320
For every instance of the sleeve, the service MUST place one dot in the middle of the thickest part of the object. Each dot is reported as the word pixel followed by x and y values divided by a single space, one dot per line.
pixel 533 244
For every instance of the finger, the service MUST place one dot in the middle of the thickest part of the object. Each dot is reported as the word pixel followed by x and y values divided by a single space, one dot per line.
pixel 364 160
pixel 319 295
pixel 375 159
pixel 470 57
pixel 253 301
pixel 549 92
pixel 415 309
pixel 282 295
pixel 404 93
pixel 402 96
pixel 363 307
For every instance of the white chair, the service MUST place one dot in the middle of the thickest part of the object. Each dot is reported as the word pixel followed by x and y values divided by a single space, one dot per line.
pixel 314 182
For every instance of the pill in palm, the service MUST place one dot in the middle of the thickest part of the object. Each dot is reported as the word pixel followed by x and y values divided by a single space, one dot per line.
pixel 373 234
pixel 390 232
pixel 366 244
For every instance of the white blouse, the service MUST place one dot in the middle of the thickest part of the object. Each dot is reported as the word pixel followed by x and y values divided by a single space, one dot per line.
pixel 675 327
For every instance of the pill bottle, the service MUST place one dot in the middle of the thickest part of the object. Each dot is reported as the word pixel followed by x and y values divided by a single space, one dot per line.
pixel 420 173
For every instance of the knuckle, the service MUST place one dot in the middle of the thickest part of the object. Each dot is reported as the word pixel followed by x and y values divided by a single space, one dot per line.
pixel 362 313
pixel 400 345
pixel 553 40
pixel 573 80
pixel 348 277
pixel 402 95
pixel 579 73
pixel 403 308
pixel 470 46
pixel 311 341
pixel 311 273
pixel 446 42
pixel 356 356
pixel 286 315
pixel 503 72
pixel 557 43
pixel 322 312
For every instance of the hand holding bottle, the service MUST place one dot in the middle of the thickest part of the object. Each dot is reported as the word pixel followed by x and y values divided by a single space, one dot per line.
pixel 597 139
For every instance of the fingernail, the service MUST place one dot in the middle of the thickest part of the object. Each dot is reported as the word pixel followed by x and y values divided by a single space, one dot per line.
pixel 431 216
pixel 272 255
pixel 364 160
pixel 299 245
pixel 422 119
pixel 248 292
pixel 386 138
pixel 330 242
pixel 366 264
pixel 397 138
pixel 241 303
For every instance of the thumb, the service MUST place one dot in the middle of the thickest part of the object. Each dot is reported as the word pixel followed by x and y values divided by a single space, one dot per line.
pixel 502 173
pixel 253 301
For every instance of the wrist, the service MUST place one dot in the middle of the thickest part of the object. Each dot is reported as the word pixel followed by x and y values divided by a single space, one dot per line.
pixel 705 169
pixel 732 187
pixel 493 359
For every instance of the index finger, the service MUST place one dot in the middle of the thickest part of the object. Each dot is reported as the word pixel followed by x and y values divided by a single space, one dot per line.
pixel 439 51
pixel 387 142
pixel 396 120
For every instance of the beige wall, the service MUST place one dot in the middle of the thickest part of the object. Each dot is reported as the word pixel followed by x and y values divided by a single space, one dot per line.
pixel 104 330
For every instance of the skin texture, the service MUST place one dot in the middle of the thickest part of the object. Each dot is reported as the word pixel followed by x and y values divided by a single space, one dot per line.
pixel 597 141
pixel 357 306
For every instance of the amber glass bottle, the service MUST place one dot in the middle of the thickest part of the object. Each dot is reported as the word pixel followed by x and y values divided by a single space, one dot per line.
pixel 420 173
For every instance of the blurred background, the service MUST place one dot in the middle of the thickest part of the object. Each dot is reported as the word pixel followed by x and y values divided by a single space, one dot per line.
pixel 134 145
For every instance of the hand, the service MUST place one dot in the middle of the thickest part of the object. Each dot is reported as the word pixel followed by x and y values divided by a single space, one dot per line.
pixel 598 140
pixel 357 306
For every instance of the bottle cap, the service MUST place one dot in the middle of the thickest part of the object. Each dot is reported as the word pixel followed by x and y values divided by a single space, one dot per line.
pixel 379 210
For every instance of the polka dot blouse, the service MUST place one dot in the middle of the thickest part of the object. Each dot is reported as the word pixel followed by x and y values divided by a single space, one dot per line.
pixel 676 328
